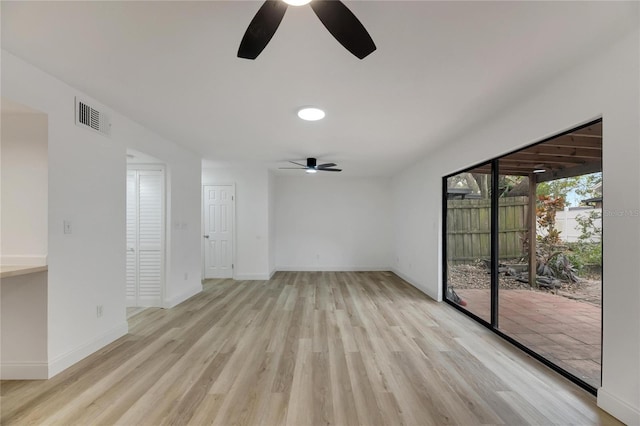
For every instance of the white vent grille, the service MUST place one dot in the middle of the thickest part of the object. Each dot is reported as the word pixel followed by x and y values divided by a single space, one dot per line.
pixel 89 117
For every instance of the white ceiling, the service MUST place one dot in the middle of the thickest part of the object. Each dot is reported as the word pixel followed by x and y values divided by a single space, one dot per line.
pixel 440 68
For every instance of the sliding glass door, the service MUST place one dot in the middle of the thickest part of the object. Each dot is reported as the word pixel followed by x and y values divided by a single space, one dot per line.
pixel 523 249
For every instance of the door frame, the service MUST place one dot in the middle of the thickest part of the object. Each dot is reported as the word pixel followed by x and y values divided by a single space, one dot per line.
pixel 493 324
pixel 233 228
pixel 164 215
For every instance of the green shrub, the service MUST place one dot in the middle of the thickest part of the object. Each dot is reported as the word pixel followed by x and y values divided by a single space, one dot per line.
pixel 583 254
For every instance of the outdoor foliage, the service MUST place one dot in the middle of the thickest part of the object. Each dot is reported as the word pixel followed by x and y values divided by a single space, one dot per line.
pixel 551 258
pixel 588 227
pixel 546 209
pixel 584 186
pixel 585 256
pixel 587 251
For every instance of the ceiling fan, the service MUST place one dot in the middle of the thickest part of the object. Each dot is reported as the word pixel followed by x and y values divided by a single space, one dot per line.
pixel 335 16
pixel 312 166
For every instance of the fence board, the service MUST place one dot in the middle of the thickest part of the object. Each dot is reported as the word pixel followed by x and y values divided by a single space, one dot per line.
pixel 469 229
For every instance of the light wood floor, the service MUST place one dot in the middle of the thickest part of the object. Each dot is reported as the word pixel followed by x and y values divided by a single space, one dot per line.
pixel 304 349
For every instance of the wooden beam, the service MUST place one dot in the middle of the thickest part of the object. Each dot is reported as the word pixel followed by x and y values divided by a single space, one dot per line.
pixel 560 151
pixel 529 161
pixel 508 171
pixel 576 141
pixel 584 169
pixel 593 130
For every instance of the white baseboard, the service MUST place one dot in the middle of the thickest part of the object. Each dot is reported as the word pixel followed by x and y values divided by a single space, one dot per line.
pixel 65 361
pixel 24 371
pixel 621 410
pixel 176 300
pixel 332 268
pixel 413 282
pixel 250 277
pixel 23 260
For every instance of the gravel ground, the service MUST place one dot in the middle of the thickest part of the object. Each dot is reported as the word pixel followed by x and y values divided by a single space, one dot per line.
pixel 477 277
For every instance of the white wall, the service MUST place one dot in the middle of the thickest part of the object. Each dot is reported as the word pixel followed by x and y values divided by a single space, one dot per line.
pixel 87 186
pixel 332 223
pixel 252 217
pixel 23 327
pixel 608 86
pixel 271 199
pixel 24 188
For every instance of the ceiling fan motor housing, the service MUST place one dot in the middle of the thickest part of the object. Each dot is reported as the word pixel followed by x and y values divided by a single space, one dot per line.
pixel 311 162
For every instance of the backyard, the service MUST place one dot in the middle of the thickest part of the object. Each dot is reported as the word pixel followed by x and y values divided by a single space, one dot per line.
pixel 475 277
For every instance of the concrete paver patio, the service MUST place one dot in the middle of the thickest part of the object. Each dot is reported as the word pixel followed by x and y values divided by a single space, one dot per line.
pixel 565 331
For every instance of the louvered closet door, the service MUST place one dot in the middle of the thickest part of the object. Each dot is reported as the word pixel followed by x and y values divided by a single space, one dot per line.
pixel 150 225
pixel 132 238
pixel 145 229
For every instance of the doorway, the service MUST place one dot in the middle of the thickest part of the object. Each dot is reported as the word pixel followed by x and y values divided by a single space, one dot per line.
pixel 523 249
pixel 145 236
pixel 218 203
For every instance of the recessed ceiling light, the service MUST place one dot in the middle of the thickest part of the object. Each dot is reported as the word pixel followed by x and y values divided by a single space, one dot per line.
pixel 311 114
pixel 297 2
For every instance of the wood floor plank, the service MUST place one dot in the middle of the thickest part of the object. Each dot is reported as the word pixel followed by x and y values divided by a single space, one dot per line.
pixel 304 348
pixel 365 402
pixel 301 395
pixel 341 390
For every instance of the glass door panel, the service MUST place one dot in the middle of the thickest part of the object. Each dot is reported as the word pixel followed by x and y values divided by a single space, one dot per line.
pixel 547 299
pixel 468 240
pixel 516 204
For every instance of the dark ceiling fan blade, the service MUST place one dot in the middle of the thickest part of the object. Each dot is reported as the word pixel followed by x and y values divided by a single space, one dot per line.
pixel 330 170
pixel 262 27
pixel 292 168
pixel 325 165
pixel 298 164
pixel 344 26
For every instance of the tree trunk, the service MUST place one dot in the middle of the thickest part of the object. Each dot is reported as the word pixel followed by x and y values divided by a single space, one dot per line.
pixel 520 190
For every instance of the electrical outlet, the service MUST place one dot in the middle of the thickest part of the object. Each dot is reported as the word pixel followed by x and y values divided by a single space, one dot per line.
pixel 99 311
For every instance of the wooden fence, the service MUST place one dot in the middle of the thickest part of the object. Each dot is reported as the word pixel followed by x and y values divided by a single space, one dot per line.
pixel 469 229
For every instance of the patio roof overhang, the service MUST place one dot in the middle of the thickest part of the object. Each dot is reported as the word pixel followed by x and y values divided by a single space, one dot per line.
pixel 572 154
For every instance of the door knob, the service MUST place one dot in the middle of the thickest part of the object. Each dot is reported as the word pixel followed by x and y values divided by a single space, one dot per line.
pixel 206 236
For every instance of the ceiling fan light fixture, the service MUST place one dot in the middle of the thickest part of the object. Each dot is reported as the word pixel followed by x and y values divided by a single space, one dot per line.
pixel 311 114
pixel 297 2
pixel 343 25
pixel 311 171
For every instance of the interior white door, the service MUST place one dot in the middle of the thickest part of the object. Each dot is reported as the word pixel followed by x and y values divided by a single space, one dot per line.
pixel 145 237
pixel 218 230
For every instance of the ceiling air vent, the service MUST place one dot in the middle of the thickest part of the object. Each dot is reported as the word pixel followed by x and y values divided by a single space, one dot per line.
pixel 87 116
